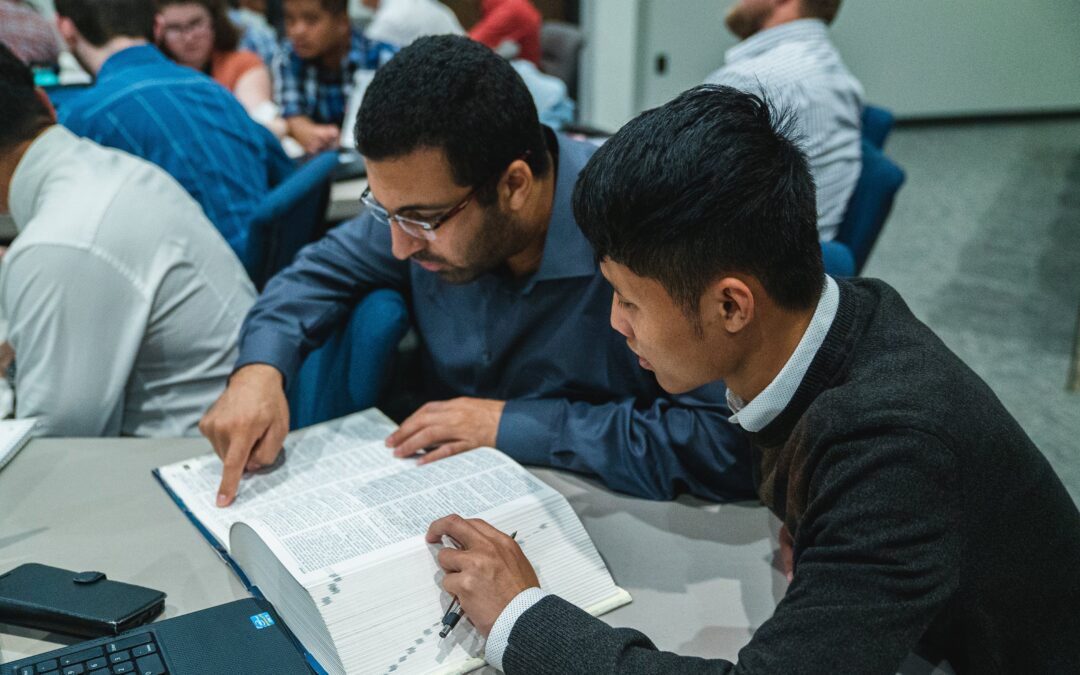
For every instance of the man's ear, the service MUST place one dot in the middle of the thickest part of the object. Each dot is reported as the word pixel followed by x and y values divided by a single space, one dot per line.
pixel 159 28
pixel 517 183
pixel 68 31
pixel 730 303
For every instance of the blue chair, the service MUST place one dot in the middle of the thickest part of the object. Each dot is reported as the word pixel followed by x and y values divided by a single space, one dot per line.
pixel 290 217
pixel 350 371
pixel 870 203
pixel 877 124
pixel 838 259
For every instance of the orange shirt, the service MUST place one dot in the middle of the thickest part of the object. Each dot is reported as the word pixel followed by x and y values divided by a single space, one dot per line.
pixel 228 67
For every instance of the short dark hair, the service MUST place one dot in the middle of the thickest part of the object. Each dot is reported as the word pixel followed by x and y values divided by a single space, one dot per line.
pixel 708 185
pixel 821 9
pixel 449 92
pixel 24 114
pixel 226 34
pixel 102 20
pixel 332 6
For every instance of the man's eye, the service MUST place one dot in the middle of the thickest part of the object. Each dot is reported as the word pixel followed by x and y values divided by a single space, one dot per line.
pixel 624 304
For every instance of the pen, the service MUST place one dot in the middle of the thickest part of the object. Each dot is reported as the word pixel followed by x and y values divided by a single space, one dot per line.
pixel 454 613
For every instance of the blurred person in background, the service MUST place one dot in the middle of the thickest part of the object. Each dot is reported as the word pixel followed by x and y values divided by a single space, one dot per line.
pixel 510 27
pixel 400 22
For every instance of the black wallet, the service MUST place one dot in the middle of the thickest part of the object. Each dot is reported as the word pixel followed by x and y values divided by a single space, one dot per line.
pixel 85 604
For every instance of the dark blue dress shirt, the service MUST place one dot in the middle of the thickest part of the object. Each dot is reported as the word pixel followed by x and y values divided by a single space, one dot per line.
pixel 187 124
pixel 576 397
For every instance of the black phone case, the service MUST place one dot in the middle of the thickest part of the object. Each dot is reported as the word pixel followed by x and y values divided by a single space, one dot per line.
pixel 85 604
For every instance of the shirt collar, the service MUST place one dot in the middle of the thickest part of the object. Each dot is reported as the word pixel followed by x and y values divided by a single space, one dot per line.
pixel 756 414
pixel 140 55
pixel 763 41
pixel 32 171
pixel 567 253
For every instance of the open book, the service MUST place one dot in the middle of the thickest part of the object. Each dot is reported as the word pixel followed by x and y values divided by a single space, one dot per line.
pixel 334 538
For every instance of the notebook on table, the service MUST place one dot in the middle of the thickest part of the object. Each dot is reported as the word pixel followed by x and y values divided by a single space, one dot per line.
pixel 334 539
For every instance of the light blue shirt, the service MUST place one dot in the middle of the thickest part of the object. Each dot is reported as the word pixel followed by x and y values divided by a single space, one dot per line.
pixel 797 66
pixel 752 416
pixel 756 414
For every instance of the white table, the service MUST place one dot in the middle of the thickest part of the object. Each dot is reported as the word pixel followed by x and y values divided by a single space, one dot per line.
pixel 702 575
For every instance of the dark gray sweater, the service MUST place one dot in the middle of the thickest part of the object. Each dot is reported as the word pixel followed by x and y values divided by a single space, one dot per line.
pixel 919 509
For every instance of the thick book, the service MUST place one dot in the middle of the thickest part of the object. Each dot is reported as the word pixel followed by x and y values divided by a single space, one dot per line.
pixel 13 436
pixel 334 538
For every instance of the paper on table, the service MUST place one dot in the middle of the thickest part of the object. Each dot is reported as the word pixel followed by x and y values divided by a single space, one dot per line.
pixel 13 436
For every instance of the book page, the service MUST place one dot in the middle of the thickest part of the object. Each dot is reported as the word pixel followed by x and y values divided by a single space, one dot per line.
pixel 321 461
pixel 370 517
pixel 13 436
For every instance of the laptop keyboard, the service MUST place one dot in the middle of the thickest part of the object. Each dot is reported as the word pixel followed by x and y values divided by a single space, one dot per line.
pixel 137 654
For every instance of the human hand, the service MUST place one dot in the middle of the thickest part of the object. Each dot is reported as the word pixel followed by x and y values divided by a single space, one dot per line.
pixel 7 356
pixel 313 137
pixel 486 573
pixel 450 427
pixel 787 553
pixel 247 424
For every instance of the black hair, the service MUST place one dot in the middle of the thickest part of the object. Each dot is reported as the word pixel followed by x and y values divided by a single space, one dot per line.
pixel 23 113
pixel 710 184
pixel 449 92
pixel 102 20
pixel 335 7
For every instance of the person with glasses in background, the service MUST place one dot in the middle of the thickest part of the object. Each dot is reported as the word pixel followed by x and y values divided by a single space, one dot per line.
pixel 468 215
pixel 200 35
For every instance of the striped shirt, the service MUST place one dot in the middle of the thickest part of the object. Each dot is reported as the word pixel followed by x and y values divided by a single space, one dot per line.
pixel 798 68
pixel 187 124
pixel 304 87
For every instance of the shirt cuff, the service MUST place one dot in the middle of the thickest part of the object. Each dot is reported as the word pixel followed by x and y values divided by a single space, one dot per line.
pixel 499 637
pixel 272 348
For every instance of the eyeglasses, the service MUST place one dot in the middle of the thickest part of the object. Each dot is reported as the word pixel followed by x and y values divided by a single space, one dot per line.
pixel 414 227
pixel 176 30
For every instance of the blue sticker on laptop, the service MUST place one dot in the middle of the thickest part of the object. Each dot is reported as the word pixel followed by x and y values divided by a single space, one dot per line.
pixel 263 620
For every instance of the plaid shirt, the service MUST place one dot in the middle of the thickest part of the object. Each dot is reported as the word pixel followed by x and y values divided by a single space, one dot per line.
pixel 303 87
pixel 28 34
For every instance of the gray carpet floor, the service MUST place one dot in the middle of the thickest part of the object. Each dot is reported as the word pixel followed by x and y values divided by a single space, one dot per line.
pixel 984 244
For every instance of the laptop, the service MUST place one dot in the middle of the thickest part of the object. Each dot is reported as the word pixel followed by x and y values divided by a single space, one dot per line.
pixel 239 637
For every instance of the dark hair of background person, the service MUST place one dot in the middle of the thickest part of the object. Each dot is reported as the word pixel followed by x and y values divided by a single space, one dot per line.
pixel 449 92
pixel 226 34
pixel 333 6
pixel 821 9
pixel 102 20
pixel 23 113
pixel 707 185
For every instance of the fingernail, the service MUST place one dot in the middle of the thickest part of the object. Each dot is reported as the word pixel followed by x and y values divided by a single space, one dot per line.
pixel 222 500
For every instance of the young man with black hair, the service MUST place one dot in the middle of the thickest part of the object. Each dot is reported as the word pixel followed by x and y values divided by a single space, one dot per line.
pixel 918 506
pixel 468 216
pixel 314 71
pixel 171 115
pixel 123 302
pixel 786 54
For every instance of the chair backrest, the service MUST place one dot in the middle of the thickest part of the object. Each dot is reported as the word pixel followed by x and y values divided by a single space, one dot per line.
pixel 877 124
pixel 837 259
pixel 870 203
pixel 289 217
pixel 351 369
pixel 560 51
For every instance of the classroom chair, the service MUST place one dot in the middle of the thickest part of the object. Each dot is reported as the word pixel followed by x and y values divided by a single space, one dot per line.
pixel 350 371
pixel 560 52
pixel 289 217
pixel 837 259
pixel 870 203
pixel 877 124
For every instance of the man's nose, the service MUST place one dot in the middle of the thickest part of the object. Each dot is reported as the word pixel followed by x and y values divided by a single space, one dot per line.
pixel 403 245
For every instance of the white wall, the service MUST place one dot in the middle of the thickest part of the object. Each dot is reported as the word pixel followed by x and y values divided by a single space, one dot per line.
pixel 917 57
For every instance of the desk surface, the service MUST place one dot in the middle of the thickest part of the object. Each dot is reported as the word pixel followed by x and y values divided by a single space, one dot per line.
pixel 701 574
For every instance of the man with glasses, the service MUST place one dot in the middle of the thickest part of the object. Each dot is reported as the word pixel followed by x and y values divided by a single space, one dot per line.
pixel 469 217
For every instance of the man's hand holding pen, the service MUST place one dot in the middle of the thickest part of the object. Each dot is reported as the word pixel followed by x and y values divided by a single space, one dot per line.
pixel 486 573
